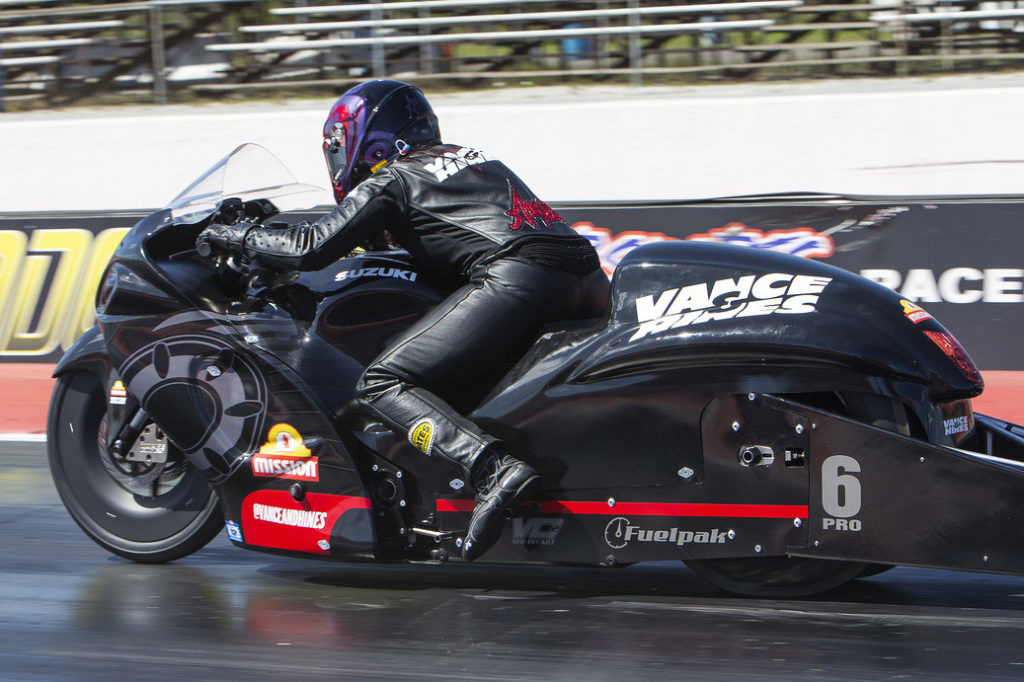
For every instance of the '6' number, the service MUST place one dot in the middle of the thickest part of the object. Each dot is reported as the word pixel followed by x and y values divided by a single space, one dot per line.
pixel 840 489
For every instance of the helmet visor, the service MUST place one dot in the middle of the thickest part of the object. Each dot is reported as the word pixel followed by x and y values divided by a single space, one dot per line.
pixel 336 151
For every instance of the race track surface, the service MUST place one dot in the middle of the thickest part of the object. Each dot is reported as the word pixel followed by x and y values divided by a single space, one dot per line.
pixel 71 611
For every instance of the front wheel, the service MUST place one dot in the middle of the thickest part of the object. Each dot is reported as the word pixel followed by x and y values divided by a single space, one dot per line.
pixel 781 576
pixel 139 511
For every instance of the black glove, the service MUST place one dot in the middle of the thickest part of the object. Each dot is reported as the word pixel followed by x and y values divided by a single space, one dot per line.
pixel 223 238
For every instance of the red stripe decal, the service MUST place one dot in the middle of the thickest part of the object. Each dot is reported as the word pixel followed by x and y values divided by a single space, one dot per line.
pixel 745 511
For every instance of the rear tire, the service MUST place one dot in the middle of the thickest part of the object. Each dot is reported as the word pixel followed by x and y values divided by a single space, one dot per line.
pixel 782 576
pixel 161 520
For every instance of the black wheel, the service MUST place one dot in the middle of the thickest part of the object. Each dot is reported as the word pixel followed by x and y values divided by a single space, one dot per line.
pixel 145 512
pixel 780 576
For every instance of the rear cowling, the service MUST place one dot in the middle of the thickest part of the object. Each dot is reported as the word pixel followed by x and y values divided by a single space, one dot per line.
pixel 719 303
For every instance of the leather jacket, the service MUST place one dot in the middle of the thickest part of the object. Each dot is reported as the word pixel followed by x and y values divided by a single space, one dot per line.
pixel 451 207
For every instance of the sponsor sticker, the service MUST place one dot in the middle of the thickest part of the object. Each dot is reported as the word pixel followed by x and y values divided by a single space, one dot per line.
pixel 234 531
pixel 285 456
pixel 957 425
pixel 536 531
pixel 284 439
pixel 957 420
pixel 620 532
pixel 295 468
pixel 118 393
pixel 397 273
pixel 744 296
pixel 914 312
pixel 297 518
pixel 272 518
pixel 421 435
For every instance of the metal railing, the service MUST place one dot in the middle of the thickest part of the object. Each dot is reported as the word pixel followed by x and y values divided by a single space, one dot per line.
pixel 179 49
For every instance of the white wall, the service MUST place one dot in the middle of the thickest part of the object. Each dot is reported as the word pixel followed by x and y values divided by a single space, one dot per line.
pixel 960 135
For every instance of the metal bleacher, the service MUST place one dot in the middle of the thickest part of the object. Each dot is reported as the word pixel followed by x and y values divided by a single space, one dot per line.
pixel 159 50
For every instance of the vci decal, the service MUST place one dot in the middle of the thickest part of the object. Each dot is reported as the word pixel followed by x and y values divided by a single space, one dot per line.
pixel 620 532
pixel 840 493
pixel 537 530
pixel 745 296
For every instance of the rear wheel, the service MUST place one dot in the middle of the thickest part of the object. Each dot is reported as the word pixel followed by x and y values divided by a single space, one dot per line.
pixel 780 576
pixel 141 511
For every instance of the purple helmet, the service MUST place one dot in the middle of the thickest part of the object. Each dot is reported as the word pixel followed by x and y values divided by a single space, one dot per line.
pixel 366 126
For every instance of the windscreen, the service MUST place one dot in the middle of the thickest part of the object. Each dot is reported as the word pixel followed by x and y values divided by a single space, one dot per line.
pixel 249 172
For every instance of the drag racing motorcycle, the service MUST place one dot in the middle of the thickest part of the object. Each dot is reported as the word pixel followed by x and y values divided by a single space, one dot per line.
pixel 780 425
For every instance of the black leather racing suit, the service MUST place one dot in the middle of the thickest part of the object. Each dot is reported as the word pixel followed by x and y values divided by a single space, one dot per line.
pixel 459 214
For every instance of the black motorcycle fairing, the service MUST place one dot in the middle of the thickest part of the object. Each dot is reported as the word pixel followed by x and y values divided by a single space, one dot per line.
pixel 770 305
pixel 88 351
pixel 853 338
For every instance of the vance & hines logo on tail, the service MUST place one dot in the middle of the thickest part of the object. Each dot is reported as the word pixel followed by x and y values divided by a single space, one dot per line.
pixel 744 296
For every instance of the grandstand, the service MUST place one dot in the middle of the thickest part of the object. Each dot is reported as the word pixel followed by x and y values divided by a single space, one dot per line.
pixel 60 53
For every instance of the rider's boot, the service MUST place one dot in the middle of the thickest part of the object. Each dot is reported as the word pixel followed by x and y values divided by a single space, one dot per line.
pixel 502 482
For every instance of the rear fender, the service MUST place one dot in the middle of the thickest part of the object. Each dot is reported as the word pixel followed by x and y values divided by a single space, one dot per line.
pixel 88 352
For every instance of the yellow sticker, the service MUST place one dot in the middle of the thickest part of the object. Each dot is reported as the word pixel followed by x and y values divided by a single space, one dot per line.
pixel 118 394
pixel 914 312
pixel 283 439
pixel 421 435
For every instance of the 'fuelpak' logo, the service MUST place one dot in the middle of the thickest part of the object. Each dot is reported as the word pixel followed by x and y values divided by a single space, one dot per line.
pixel 746 296
pixel 620 532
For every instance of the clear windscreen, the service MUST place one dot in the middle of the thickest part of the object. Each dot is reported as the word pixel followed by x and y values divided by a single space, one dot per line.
pixel 249 172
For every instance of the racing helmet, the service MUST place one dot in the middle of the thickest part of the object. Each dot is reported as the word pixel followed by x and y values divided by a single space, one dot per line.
pixel 371 124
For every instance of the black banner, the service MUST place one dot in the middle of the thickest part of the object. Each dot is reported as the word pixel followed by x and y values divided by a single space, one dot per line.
pixel 954 256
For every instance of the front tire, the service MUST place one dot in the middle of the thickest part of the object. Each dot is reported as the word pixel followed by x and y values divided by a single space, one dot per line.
pixel 158 520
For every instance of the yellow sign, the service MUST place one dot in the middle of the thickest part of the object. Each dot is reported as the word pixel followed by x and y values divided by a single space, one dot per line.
pixel 284 440
pixel 914 312
pixel 48 282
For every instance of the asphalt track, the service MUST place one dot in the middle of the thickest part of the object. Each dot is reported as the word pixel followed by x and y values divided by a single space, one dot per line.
pixel 70 611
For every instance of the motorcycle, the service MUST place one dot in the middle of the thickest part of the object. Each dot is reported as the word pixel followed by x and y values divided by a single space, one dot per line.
pixel 780 425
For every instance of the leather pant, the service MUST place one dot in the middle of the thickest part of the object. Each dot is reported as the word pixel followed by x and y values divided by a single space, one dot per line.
pixel 484 326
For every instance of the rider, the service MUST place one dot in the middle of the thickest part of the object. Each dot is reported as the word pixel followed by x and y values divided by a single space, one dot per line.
pixel 461 214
